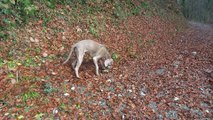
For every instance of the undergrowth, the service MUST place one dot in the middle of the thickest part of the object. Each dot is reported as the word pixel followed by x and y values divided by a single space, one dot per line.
pixel 16 13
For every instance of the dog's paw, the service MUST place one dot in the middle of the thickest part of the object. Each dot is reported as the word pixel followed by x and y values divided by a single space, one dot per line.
pixel 105 71
pixel 78 77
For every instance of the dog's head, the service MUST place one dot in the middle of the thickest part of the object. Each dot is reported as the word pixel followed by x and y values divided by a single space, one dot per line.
pixel 108 63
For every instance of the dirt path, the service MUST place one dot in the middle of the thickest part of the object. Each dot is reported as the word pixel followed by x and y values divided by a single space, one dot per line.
pixel 179 83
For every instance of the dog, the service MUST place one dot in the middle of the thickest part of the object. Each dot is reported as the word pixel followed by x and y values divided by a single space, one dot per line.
pixel 96 51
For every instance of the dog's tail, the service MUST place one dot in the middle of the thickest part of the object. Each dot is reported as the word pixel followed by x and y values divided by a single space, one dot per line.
pixel 69 56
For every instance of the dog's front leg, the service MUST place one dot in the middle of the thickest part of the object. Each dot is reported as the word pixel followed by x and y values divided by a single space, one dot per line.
pixel 95 60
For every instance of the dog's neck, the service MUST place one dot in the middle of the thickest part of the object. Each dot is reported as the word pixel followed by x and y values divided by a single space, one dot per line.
pixel 107 55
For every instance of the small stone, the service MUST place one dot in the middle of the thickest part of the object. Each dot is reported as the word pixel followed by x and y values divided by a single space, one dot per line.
pixel 160 71
pixel 207 111
pixel 66 80
pixel 109 81
pixel 153 106
pixel 129 90
pixel 119 95
pixel 143 91
pixel 123 117
pixel 73 88
pixel 36 40
pixel 61 48
pixel 78 29
pixel 6 114
pixel 20 117
pixel 66 94
pixel 63 37
pixel 53 73
pixel 120 76
pixel 176 99
pixel 142 94
pixel 176 64
pixel 32 40
pixel 196 112
pixel 102 103
pixel 161 94
pixel 13 81
pixel 160 117
pixel 172 114
pixel 184 107
pixel 208 70
pixel 19 64
pixel 194 53
pixel 45 54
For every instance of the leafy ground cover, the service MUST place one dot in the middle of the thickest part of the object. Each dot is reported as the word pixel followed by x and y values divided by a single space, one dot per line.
pixel 162 70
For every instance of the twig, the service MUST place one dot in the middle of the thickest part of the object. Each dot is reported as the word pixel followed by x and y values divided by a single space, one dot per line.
pixel 17 76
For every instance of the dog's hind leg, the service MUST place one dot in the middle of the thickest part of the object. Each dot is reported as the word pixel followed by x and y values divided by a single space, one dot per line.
pixel 74 64
pixel 80 56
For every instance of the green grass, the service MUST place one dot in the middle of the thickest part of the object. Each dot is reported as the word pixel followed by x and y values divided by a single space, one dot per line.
pixel 30 95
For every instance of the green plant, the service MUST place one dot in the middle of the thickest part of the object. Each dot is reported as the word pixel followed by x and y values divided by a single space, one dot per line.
pixel 10 75
pixel 12 64
pixel 39 116
pixel 1 62
pixel 48 88
pixel 15 12
pixel 62 106
pixel 93 31
pixel 115 56
pixel 30 61
pixel 120 11
pixel 29 95
pixel 27 108
pixel 78 106
pixel 26 77
pixel 94 26
pixel 21 10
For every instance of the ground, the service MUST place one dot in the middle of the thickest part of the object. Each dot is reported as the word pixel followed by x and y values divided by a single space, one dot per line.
pixel 161 71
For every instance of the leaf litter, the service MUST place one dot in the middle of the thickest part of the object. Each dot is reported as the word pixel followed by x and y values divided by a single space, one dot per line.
pixel 159 73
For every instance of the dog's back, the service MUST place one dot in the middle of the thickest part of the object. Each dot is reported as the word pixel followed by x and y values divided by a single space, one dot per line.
pixel 88 46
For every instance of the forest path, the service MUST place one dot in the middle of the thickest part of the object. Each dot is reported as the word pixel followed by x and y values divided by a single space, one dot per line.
pixel 178 83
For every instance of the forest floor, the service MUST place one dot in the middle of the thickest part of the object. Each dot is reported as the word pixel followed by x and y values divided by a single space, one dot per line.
pixel 160 72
